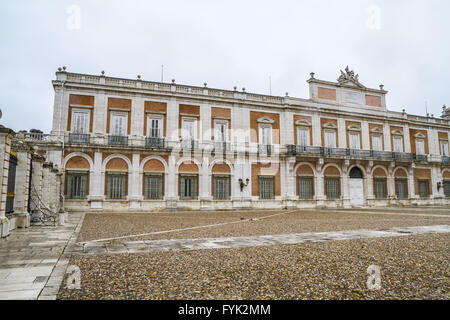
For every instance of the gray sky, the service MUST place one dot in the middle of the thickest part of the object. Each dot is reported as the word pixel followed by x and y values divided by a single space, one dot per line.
pixel 224 43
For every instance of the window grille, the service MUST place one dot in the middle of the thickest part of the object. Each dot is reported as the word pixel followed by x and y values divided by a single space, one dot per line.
pixel 76 185
pixel 401 186
pixel 424 190
pixel 116 185
pixel 266 188
pixel 333 188
pixel 188 187
pixel 380 188
pixel 305 188
pixel 447 188
pixel 221 187
pixel 153 186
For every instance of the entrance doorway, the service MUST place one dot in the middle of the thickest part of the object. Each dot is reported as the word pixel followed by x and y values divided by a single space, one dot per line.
pixel 356 187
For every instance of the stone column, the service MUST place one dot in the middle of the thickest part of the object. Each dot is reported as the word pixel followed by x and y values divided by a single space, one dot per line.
pixel 22 184
pixel 172 197
pixel 137 121
pixel 387 137
pixel 406 139
pixel 342 132
pixel 36 186
pixel 365 135
pixel 411 189
pixel 436 176
pixel 369 181
pixel 205 185
pixel 316 130
pixel 135 184
pixel 97 185
pixel 54 193
pixel 391 183
pixel 345 185
pixel 5 147
pixel 290 179
pixel 172 132
pixel 319 185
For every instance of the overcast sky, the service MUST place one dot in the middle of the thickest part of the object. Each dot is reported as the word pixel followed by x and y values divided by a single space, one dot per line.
pixel 404 45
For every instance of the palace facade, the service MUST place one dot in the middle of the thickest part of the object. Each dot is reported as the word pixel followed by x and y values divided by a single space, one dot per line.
pixel 134 145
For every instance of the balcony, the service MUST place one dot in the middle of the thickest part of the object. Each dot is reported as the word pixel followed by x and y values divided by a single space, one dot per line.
pixel 295 149
pixel 445 159
pixel 352 153
pixel 118 140
pixel 189 144
pixel 81 138
pixel 265 149
pixel 155 143
pixel 421 158
pixel 220 146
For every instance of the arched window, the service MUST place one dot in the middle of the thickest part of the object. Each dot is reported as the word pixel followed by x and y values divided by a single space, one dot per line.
pixel 356 173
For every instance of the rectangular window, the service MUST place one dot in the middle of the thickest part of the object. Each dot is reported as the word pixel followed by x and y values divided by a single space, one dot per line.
pixel 116 185
pixel 266 135
pixel 305 188
pixel 401 188
pixel 444 147
pixel 118 125
pixel 420 146
pixel 220 131
pixel 188 187
pixel 80 122
pixel 266 187
pixel 355 141
pixel 424 190
pixel 188 129
pixel 153 186
pixel 221 187
pixel 333 188
pixel 447 188
pixel 398 143
pixel 380 188
pixel 76 185
pixel 377 143
pixel 303 136
pixel 155 128
pixel 330 138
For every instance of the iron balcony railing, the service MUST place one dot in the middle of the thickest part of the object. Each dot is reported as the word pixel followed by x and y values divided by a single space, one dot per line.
pixel 118 140
pixel 445 159
pixel 353 153
pixel 421 158
pixel 220 146
pixel 79 138
pixel 265 149
pixel 189 144
pixel 155 143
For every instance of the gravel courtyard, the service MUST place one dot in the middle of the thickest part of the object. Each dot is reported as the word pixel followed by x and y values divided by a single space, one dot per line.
pixel 412 266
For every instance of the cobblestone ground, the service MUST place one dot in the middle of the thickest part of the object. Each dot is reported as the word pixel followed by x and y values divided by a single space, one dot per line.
pixel 98 226
pixel 412 267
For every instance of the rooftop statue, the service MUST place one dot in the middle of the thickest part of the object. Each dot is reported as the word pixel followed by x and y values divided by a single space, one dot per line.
pixel 348 75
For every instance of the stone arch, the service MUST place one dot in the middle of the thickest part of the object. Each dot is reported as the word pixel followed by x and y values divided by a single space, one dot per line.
pixel 398 170
pixel 331 172
pixel 150 158
pixel 219 162
pixel 379 171
pixel 195 161
pixel 446 174
pixel 116 156
pixel 307 164
pixel 79 154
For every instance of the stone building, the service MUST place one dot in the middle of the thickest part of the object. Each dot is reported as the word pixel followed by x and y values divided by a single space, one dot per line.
pixel 134 145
